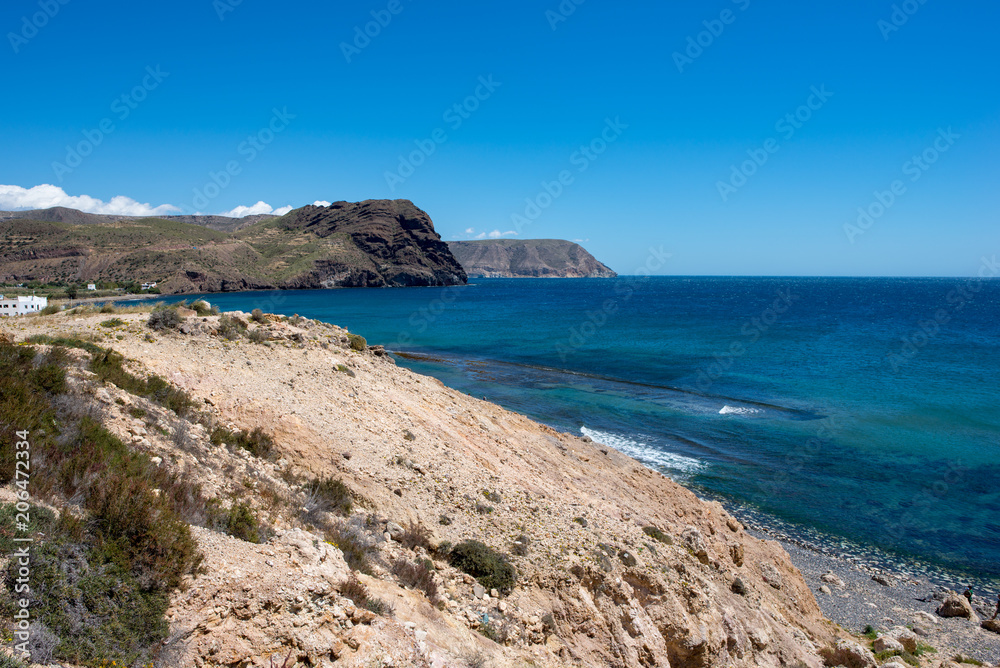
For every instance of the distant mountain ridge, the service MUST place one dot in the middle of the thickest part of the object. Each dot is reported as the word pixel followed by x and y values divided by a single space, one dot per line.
pixel 527 258
pixel 61 214
pixel 375 243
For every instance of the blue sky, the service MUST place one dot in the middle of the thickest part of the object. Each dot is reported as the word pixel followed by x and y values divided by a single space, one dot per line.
pixel 267 98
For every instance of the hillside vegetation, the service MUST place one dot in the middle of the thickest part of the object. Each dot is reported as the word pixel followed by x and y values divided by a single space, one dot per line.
pixel 376 243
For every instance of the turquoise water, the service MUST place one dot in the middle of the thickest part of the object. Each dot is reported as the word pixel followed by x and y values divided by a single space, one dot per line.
pixel 862 414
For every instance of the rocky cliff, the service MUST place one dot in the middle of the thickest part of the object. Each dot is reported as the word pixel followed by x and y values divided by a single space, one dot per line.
pixel 376 243
pixel 529 258
pixel 373 243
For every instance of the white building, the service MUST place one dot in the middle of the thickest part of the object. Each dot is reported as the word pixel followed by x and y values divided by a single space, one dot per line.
pixel 91 286
pixel 22 305
pixel 149 286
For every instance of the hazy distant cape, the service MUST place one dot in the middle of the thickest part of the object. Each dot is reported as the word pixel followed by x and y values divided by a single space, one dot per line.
pixel 375 243
pixel 528 258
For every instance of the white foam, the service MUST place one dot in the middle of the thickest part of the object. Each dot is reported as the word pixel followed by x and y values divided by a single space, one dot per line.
pixel 739 410
pixel 652 457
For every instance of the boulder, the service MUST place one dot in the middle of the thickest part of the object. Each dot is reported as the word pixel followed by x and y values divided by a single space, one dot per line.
pixel 956 606
pixel 905 636
pixel 394 530
pixel 991 625
pixel 894 664
pixel 886 643
pixel 832 578
pixel 848 654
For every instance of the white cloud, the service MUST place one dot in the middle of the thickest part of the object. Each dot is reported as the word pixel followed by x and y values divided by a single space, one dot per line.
pixel 321 202
pixel 258 208
pixel 495 234
pixel 46 196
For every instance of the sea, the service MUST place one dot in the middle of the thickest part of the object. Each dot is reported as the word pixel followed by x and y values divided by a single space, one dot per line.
pixel 857 416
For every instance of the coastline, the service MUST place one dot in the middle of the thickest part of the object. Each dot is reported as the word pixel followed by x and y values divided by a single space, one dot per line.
pixel 906 600
pixel 617 565
pixel 572 496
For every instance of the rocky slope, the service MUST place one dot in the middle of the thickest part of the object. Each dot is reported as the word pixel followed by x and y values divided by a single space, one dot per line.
pixel 616 564
pixel 529 258
pixel 373 243
pixel 376 243
pixel 61 214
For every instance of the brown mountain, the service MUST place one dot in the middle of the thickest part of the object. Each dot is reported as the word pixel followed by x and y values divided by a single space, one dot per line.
pixel 528 258
pixel 375 243
pixel 60 214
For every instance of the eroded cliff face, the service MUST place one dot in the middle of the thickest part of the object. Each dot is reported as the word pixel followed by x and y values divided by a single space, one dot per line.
pixel 529 258
pixel 383 243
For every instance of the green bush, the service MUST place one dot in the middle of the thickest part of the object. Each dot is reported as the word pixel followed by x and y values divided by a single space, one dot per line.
pixel 202 308
pixel 113 322
pixel 97 610
pixel 258 335
pixel 241 522
pixel 258 316
pixel 108 308
pixel 230 328
pixel 357 342
pixel 136 528
pixel 482 562
pixel 333 493
pixel 65 342
pixel 257 442
pixel 51 309
pixel 24 398
pixel 109 367
pixel 164 318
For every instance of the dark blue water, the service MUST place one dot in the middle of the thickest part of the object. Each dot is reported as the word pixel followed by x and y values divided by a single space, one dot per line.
pixel 861 413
